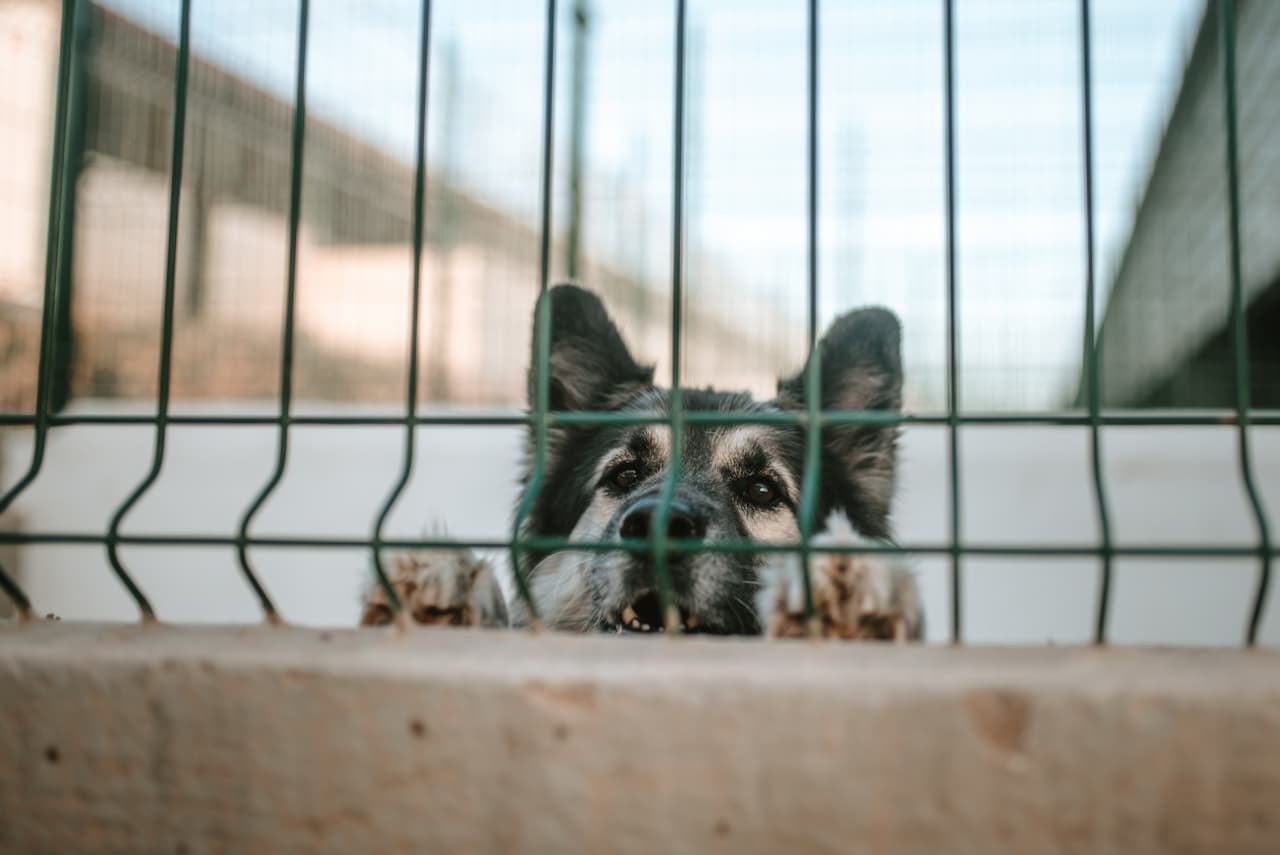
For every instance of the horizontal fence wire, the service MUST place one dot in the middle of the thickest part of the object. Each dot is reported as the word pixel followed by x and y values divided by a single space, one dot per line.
pixel 579 418
pixel 545 543
pixel 659 544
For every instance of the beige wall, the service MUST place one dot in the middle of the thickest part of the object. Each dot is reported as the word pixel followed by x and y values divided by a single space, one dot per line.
pixel 353 299
pixel 29 47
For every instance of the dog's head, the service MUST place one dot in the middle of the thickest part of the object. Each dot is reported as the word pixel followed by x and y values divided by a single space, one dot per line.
pixel 740 482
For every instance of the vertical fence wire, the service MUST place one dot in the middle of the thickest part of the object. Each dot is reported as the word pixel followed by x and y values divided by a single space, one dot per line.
pixel 1239 332
pixel 811 483
pixel 542 326
pixel 953 372
pixel 415 303
pixel 658 534
pixel 61 199
pixel 297 148
pixel 1092 368
pixel 166 321
pixel 60 191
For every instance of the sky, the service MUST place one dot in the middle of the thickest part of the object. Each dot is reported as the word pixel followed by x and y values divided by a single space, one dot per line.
pixel 1020 267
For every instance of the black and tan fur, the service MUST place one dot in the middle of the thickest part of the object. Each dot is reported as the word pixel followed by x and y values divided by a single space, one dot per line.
pixel 740 482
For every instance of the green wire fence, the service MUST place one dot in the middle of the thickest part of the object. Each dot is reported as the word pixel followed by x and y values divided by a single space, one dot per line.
pixel 74 35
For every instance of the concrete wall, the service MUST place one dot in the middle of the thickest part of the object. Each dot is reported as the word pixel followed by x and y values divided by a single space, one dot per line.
pixel 273 740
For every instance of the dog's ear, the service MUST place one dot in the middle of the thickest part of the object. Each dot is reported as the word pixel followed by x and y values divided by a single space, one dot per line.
pixel 861 369
pixel 589 361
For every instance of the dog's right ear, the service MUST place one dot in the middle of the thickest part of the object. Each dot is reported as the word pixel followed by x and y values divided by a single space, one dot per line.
pixel 861 365
pixel 589 361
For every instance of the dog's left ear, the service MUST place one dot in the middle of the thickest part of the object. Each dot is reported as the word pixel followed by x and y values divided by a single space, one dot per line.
pixel 861 369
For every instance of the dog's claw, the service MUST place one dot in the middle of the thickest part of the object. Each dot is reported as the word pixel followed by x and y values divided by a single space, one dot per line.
pixel 855 596
pixel 439 587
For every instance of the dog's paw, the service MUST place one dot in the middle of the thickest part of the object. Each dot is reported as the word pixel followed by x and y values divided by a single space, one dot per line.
pixel 439 587
pixel 855 596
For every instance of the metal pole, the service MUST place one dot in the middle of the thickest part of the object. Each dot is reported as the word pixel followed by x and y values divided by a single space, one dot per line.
pixel 577 141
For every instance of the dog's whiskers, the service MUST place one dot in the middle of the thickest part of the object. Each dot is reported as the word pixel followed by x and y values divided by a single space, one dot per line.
pixel 746 616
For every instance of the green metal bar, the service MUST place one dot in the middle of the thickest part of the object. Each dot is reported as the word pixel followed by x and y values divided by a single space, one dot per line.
pixel 411 391
pixel 827 418
pixel 14 592
pixel 166 324
pixel 659 536
pixel 675 545
pixel 1239 332
pixel 61 198
pixel 953 373
pixel 1092 365
pixel 291 282
pixel 577 137
pixel 59 326
pixel 811 482
pixel 542 327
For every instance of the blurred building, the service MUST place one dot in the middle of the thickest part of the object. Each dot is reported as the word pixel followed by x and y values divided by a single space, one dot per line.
pixel 1165 336
pixel 479 273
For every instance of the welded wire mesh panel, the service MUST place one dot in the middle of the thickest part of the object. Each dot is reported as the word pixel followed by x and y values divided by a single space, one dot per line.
pixel 414 212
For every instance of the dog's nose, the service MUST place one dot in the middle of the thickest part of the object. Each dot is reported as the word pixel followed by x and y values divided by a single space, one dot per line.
pixel 682 522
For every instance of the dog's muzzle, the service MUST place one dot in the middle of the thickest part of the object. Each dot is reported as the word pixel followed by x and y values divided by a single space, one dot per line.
pixel 684 522
pixel 645 615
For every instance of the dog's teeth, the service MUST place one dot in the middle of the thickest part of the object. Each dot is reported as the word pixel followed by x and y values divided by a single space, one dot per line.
pixel 628 615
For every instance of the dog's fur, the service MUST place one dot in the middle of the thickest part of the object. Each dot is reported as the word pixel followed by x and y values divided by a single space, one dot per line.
pixel 740 482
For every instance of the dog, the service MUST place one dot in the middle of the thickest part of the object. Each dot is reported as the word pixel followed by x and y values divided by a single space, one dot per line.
pixel 742 482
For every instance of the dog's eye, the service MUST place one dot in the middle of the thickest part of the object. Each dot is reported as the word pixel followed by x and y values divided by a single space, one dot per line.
pixel 625 478
pixel 761 492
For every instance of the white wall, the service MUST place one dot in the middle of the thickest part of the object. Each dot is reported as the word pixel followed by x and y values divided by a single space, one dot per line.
pixel 1022 485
